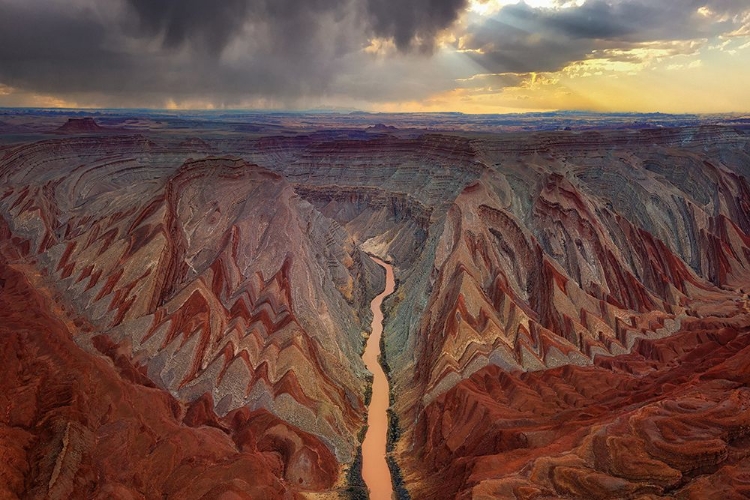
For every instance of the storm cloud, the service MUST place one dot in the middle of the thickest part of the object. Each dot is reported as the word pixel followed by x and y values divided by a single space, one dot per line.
pixel 520 38
pixel 413 23
pixel 144 49
pixel 290 53
pixel 212 23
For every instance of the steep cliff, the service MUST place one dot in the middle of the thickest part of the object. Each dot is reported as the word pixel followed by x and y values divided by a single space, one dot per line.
pixel 570 317
pixel 212 278
pixel 569 254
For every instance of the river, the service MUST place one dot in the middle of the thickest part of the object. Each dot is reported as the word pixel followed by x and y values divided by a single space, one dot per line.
pixel 375 470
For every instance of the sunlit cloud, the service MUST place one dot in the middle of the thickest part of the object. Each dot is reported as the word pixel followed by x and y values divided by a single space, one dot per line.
pixel 691 65
pixel 490 7
pixel 461 55
pixel 14 97
pixel 635 59
pixel 380 47
pixel 744 26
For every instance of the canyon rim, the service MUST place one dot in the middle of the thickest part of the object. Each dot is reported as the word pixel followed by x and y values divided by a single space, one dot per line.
pixel 185 307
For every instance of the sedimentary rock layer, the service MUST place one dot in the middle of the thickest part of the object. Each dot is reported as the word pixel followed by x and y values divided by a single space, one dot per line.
pixel 669 419
pixel 212 279
pixel 571 253
pixel 570 317
pixel 79 425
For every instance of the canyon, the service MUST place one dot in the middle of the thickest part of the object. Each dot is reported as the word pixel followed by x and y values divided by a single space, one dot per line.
pixel 185 302
pixel 375 471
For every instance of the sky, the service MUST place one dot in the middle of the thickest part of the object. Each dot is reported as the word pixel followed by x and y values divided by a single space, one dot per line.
pixel 471 56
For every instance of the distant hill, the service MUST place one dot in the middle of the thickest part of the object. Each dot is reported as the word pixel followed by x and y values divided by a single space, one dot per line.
pixel 78 125
pixel 10 128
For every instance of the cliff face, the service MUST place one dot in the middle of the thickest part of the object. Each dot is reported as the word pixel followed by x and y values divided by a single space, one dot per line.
pixel 570 318
pixel 545 261
pixel 79 126
pixel 213 281
pixel 667 420
pixel 80 425
pixel 574 254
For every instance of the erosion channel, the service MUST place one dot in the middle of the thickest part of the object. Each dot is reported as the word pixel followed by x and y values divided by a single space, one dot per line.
pixel 375 470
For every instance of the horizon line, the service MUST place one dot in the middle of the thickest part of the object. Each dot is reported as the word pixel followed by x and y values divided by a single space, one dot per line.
pixel 344 111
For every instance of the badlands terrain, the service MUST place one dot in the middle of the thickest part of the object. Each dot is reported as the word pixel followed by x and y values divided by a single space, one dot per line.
pixel 185 301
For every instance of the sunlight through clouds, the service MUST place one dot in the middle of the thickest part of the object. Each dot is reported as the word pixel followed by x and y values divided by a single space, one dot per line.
pixel 463 55
pixel 490 7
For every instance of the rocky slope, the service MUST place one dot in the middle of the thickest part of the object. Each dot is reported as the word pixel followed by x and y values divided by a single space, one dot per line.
pixel 78 425
pixel 212 278
pixel 570 318
pixel 571 253
pixel 668 420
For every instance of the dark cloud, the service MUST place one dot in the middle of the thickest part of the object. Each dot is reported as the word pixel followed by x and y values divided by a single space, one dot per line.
pixel 32 34
pixel 212 23
pixel 510 42
pixel 149 51
pixel 283 52
pixel 48 48
pixel 130 51
pixel 413 23
pixel 596 19
pixel 638 20
pixel 520 38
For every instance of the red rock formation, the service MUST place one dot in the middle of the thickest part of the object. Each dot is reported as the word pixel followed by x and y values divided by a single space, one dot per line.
pixel 540 264
pixel 670 419
pixel 79 125
pixel 77 425
pixel 205 281
pixel 570 317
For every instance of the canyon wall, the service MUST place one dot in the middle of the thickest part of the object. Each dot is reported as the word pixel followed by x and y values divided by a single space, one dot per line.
pixel 552 278
pixel 570 317
pixel 211 279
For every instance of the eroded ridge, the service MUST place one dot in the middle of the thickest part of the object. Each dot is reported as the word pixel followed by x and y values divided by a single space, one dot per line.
pixel 571 318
